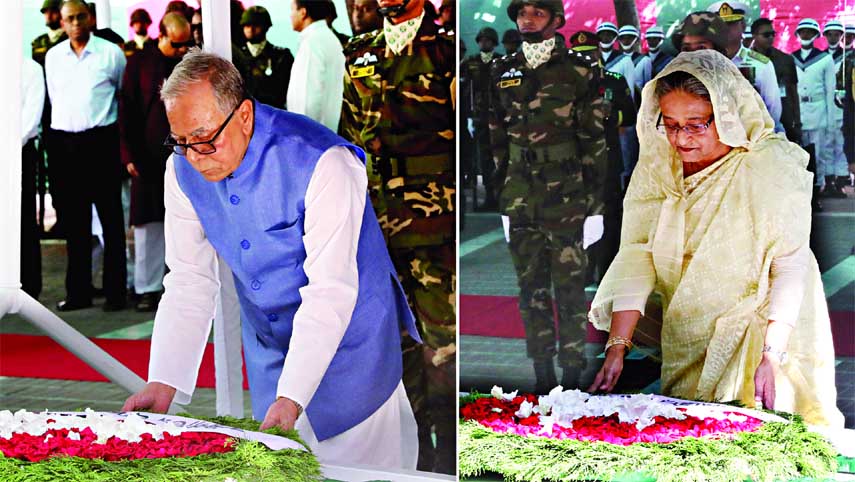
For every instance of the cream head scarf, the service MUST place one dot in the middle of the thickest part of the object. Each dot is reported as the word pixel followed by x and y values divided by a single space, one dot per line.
pixel 706 243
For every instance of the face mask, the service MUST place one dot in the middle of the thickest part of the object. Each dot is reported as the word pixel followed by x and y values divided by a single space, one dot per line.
pixel 628 48
pixel 806 44
pixel 655 49
pixel 607 46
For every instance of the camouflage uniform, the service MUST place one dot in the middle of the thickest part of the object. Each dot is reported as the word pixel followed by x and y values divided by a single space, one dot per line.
pixel 42 44
pixel 400 109
pixel 475 77
pixel 548 143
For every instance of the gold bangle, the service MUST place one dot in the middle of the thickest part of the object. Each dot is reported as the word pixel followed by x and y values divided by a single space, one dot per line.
pixel 618 340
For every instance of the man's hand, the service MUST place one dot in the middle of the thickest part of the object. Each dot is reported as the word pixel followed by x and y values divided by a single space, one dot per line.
pixel 155 397
pixel 282 413
pixel 132 170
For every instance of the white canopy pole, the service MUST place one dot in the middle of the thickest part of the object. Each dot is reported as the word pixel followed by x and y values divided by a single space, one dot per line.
pixel 12 298
pixel 228 362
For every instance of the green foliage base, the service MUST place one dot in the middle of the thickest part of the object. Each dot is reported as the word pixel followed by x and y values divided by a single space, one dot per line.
pixel 250 462
pixel 775 452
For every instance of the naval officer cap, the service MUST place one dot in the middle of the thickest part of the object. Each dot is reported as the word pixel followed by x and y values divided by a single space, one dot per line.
pixel 729 11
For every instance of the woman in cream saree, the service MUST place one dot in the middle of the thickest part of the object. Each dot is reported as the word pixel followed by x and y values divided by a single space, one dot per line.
pixel 707 243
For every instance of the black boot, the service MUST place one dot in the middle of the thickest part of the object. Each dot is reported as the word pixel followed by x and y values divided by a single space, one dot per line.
pixel 832 190
pixel 842 182
pixel 815 204
pixel 544 372
pixel 570 377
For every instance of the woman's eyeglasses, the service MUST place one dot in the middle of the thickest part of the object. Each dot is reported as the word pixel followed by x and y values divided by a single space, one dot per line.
pixel 205 147
pixel 690 129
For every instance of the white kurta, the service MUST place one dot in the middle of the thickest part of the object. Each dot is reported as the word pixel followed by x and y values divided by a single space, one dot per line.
pixel 316 87
pixel 334 203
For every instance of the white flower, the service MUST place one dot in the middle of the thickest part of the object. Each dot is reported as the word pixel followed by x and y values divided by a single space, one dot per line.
pixel 525 409
pixel 497 410
pixel 496 392
pixel 510 396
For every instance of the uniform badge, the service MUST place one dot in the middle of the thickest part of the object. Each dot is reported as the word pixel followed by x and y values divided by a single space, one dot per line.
pixel 511 78
pixel 363 66
pixel 581 39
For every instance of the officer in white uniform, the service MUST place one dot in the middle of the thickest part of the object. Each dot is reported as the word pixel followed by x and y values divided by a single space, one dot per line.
pixel 659 59
pixel 815 70
pixel 833 33
pixel 756 67
pixel 628 43
pixel 615 61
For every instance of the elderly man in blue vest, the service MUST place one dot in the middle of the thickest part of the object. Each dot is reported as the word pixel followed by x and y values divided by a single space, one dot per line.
pixel 283 200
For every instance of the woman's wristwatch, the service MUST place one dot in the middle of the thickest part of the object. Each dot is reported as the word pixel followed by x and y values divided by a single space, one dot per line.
pixel 781 355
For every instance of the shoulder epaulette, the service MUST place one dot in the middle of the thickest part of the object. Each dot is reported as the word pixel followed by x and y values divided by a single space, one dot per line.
pixel 759 57
pixel 360 41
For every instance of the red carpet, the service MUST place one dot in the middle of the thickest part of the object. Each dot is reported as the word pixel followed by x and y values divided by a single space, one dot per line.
pixel 41 357
pixel 499 316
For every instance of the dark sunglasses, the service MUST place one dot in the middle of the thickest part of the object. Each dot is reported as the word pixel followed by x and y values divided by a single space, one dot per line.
pixel 196 26
pixel 205 147
pixel 178 45
pixel 768 34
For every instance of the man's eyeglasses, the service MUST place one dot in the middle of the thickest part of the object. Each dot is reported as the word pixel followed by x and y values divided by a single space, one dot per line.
pixel 178 45
pixel 205 147
pixel 768 34
pixel 690 129
pixel 80 18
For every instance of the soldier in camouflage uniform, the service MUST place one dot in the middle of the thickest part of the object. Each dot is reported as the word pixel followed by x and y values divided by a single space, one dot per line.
pixel 46 41
pixel 548 142
pixel 475 77
pixel 398 105
pixel 40 47
pixel 267 68
pixel 620 111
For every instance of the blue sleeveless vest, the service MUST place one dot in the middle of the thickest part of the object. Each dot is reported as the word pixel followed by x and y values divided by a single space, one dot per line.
pixel 254 220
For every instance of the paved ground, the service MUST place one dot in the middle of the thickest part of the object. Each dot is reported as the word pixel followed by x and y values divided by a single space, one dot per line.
pixel 40 394
pixel 486 269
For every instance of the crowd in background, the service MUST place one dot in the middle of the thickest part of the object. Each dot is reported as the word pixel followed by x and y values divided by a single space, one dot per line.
pixel 805 92
pixel 97 138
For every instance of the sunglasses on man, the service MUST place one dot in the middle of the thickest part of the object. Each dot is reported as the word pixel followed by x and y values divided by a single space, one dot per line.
pixel 767 34
pixel 178 45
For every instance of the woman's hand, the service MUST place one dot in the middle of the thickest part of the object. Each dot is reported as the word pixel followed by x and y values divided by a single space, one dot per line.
pixel 764 381
pixel 608 375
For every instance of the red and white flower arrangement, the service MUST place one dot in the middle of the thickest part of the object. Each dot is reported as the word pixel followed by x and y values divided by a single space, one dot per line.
pixel 37 436
pixel 616 419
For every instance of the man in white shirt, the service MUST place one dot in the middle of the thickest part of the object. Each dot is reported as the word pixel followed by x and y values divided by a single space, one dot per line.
pixel 283 201
pixel 317 76
pixel 83 75
pixel 32 104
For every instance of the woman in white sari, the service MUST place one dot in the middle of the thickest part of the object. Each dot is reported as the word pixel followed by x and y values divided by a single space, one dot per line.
pixel 717 221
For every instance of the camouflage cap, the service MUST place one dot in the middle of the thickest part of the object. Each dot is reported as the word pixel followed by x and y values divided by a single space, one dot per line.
pixel 511 35
pixel 555 6
pixel 583 41
pixel 256 16
pixel 140 15
pixel 488 32
pixel 702 24
pixel 51 5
